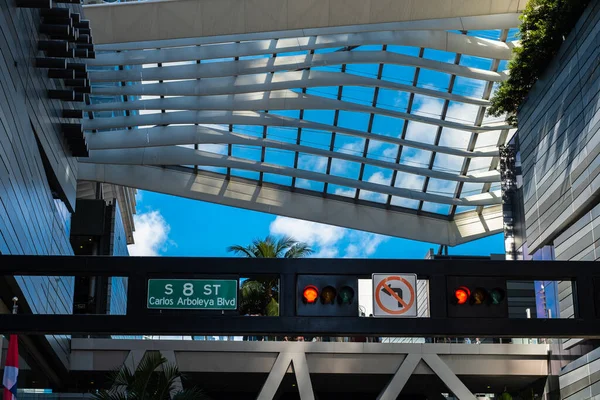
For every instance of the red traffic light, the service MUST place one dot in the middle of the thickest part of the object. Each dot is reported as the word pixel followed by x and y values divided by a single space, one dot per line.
pixel 310 294
pixel 462 294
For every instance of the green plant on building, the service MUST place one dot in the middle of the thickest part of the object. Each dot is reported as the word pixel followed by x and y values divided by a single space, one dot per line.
pixel 545 25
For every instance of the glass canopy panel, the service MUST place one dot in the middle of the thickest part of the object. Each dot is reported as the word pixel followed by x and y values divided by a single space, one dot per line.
pixel 410 108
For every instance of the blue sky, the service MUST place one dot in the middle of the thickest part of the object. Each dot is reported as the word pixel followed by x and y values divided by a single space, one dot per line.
pixel 173 226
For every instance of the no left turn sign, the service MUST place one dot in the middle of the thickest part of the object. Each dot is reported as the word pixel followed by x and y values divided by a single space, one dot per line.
pixel 395 295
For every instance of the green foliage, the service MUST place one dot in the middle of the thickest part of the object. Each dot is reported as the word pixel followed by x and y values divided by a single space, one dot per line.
pixel 153 379
pixel 271 247
pixel 261 296
pixel 545 24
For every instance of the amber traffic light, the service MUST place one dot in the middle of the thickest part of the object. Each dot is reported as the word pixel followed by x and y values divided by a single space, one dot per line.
pixel 310 294
pixel 462 295
pixel 327 295
pixel 476 297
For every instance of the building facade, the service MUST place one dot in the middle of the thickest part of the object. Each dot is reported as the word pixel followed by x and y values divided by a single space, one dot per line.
pixel 557 207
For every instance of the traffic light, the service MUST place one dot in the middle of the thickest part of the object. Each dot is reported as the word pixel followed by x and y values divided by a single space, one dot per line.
pixel 477 297
pixel 327 295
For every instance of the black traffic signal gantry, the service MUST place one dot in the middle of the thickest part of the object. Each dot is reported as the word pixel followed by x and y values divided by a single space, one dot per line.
pixel 473 297
pixel 327 295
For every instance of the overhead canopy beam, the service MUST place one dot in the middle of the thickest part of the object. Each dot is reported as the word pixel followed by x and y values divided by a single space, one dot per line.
pixel 274 199
pixel 160 136
pixel 233 69
pixel 158 20
pixel 264 119
pixel 438 40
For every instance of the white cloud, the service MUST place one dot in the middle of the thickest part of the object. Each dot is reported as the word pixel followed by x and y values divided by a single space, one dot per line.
pixel 328 241
pixel 151 234
pixel 312 233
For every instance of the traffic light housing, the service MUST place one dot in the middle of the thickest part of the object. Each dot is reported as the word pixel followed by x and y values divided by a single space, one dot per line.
pixel 327 296
pixel 477 297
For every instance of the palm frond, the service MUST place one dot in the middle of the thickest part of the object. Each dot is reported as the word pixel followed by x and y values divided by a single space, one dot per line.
pixel 298 250
pixel 241 250
pixel 144 373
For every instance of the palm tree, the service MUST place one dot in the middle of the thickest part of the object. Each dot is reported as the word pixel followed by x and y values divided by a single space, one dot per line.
pixel 153 379
pixel 261 296
pixel 271 247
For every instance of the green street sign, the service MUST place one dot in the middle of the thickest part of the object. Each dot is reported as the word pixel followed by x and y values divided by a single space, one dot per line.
pixel 192 294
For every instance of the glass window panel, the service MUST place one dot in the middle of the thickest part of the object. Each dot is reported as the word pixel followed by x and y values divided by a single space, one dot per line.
pixel 252 130
pixel 487 139
pixel 436 208
pixel 439 55
pixel 213 148
pixel 354 120
pixel 447 163
pixel 329 92
pixel 475 62
pixel 398 73
pixel 345 169
pixel 462 112
pixel 382 151
pixel 313 163
pixel 415 157
pixel 454 138
pixel 420 132
pixel 427 106
pixel 341 191
pixel 278 179
pixel 409 181
pixel 392 100
pixel 468 86
pixel 282 134
pixel 286 113
pixel 406 50
pixel 433 79
pixel 368 70
pixel 480 164
pixel 279 157
pixel 406 203
pixel 492 34
pixel 315 138
pixel 388 126
pixel 247 152
pixel 441 187
pixel 359 95
pixel 349 145
pixel 471 188
pixel 309 185
pixel 320 116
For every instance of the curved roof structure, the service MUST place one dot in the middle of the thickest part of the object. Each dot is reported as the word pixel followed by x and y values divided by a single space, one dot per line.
pixel 379 127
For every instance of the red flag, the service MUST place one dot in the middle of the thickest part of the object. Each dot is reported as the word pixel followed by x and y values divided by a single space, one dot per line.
pixel 11 369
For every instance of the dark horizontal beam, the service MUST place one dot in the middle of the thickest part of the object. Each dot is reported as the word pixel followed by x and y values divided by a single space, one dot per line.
pixel 309 326
pixel 188 266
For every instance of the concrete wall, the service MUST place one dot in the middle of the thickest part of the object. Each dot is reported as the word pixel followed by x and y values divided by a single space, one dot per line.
pixel 559 133
pixel 32 220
